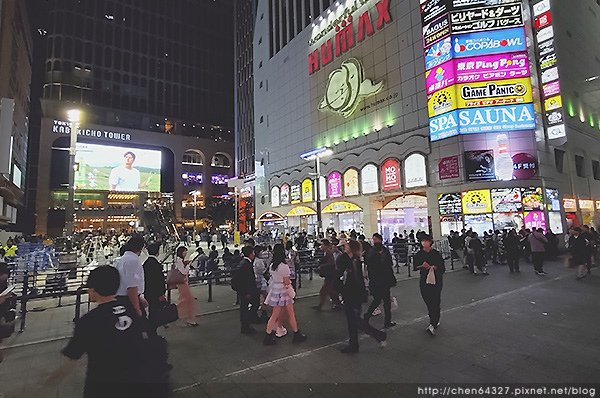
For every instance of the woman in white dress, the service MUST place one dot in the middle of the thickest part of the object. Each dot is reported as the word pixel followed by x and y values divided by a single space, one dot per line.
pixel 186 299
pixel 280 298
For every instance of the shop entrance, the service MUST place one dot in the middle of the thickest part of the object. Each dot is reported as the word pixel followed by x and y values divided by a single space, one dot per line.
pixel 302 219
pixel 343 216
pixel 405 213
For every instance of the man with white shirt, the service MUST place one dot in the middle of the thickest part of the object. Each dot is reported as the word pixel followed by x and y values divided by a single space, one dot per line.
pixel 131 272
pixel 125 177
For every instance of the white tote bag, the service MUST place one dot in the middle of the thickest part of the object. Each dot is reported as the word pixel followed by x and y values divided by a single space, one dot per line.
pixel 431 277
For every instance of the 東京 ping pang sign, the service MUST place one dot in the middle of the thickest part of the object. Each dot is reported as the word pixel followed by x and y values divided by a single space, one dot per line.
pixel 342 29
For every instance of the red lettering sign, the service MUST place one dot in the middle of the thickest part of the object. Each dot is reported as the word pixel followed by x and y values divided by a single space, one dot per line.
pixel 390 175
pixel 383 13
pixel 449 168
pixel 543 20
pixel 364 26
pixel 313 62
pixel 344 37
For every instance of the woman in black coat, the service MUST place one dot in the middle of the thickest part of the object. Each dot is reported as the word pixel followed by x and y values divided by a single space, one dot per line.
pixel 429 258
pixel 354 293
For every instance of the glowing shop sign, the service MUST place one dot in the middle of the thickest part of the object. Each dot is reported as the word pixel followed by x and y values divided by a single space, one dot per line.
pixel 503 92
pixel 492 67
pixel 492 42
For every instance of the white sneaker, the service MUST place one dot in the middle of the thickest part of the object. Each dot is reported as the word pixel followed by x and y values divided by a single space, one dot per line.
pixel 376 312
pixel 280 332
pixel 431 330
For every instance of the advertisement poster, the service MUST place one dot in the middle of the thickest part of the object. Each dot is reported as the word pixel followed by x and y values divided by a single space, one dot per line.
pixel 503 92
pixel 553 103
pixel 284 195
pixel 486 18
pixel 492 42
pixel 535 219
pixel 477 202
pixel 295 192
pixel 369 179
pixel 479 165
pixel 449 168
pixel 552 199
pixel 480 223
pixel 506 200
pixel 432 9
pixel 508 220
pixel 458 4
pixel 525 166
pixel 492 67
pixel 551 89
pixel 334 185
pixel 451 223
pixel 219 179
pixel 275 196
pixel 390 175
pixel 497 119
pixel 415 171
pixel 440 77
pixel 442 101
pixel 555 222
pixel 307 190
pixel 351 182
pixel 436 30
pixel 115 168
pixel 533 199
pixel 450 203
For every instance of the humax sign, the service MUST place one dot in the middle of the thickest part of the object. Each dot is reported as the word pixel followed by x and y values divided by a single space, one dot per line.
pixel 492 42
pixel 482 120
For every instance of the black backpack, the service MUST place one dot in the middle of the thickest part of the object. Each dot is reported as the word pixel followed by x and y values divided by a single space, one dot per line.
pixel 235 279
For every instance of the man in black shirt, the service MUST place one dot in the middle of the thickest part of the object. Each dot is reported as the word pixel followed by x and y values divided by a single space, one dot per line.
pixel 154 280
pixel 381 279
pixel 113 338
pixel 246 288
pixel 430 259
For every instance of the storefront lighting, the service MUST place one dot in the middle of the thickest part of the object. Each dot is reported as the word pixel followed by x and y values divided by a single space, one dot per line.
pixel 591 121
pixel 592 78
pixel 581 115
pixel 570 108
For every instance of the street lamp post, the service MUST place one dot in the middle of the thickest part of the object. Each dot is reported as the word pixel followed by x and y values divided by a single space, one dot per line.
pixel 317 155
pixel 195 195
pixel 73 116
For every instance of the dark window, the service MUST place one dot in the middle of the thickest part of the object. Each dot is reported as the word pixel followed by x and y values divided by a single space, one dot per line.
pixel 559 157
pixel 596 169
pixel 579 166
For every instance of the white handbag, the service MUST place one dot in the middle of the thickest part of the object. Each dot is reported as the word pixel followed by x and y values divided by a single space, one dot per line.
pixel 430 277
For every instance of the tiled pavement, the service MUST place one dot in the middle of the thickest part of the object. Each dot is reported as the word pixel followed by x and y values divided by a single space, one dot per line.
pixel 503 328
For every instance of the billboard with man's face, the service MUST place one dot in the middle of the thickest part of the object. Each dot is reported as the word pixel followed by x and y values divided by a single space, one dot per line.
pixel 115 168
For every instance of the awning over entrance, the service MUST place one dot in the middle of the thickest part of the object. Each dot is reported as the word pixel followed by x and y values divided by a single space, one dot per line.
pixel 301 211
pixel 270 216
pixel 407 202
pixel 341 207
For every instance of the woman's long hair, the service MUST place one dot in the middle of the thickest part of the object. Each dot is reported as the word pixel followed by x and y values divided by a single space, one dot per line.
pixel 278 256
pixel 180 251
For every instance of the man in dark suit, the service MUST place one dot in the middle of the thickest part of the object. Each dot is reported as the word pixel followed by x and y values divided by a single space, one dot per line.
pixel 247 290
pixel 381 278
pixel 154 279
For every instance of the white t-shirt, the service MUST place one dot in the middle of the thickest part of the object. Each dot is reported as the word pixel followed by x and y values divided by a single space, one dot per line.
pixel 181 267
pixel 131 273
pixel 124 179
pixel 281 272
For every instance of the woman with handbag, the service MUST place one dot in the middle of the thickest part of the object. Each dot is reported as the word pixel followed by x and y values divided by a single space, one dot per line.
pixel 432 268
pixel 281 298
pixel 186 301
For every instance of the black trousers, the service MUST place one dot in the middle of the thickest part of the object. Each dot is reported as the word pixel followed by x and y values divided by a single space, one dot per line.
pixel 537 258
pixel 379 295
pixel 513 261
pixel 356 323
pixel 248 309
pixel 432 295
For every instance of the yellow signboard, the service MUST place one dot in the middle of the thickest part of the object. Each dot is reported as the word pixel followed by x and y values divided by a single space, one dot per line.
pixel 494 93
pixel 553 103
pixel 301 211
pixel 341 207
pixel 307 190
pixel 442 101
pixel 477 202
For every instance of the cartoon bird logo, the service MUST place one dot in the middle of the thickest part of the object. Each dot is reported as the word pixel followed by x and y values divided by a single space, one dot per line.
pixel 346 87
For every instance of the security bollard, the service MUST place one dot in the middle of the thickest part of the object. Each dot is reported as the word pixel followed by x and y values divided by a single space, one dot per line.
pixel 210 290
pixel 299 277
pixel 24 298
pixel 77 305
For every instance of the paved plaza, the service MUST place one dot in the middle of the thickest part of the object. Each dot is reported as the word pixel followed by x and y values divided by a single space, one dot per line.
pixel 503 328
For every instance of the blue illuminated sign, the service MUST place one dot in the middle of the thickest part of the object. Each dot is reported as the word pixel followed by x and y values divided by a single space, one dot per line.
pixel 443 126
pixel 439 53
pixel 496 119
pixel 482 120
pixel 490 42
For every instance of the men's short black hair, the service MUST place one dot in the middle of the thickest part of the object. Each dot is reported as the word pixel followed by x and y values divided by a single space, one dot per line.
pixel 247 250
pixel 130 153
pixel 153 248
pixel 378 236
pixel 426 237
pixel 104 280
pixel 136 243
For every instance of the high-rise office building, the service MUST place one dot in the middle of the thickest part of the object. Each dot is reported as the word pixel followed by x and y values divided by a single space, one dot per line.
pixel 157 72
pixel 15 77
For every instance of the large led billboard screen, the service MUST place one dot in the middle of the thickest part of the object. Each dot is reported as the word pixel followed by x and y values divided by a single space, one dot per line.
pixel 115 168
